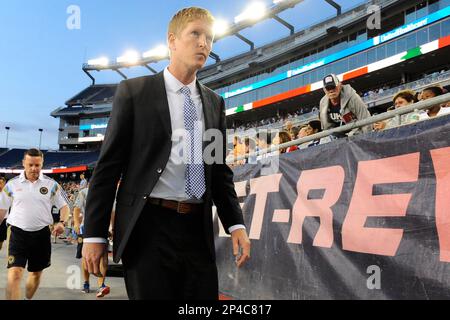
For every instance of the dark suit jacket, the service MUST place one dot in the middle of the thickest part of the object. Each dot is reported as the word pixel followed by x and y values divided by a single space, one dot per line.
pixel 137 146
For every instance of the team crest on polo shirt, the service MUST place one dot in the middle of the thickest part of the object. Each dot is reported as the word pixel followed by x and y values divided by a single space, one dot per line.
pixel 43 190
pixel 11 260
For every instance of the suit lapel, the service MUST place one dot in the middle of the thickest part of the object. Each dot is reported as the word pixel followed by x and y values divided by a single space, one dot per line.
pixel 207 106
pixel 161 103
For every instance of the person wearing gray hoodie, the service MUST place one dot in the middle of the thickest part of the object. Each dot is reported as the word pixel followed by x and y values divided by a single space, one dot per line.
pixel 341 105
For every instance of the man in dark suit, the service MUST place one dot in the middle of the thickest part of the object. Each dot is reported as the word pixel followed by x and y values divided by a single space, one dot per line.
pixel 163 225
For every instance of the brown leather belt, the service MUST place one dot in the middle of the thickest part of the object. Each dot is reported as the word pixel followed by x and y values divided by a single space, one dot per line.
pixel 180 207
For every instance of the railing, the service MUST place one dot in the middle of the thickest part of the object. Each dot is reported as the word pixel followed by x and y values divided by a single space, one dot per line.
pixel 348 127
pixel 433 79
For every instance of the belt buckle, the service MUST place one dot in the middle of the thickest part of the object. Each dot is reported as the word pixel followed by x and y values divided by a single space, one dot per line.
pixel 179 208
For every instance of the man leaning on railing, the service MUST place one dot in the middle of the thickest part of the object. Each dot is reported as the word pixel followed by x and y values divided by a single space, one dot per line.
pixel 341 105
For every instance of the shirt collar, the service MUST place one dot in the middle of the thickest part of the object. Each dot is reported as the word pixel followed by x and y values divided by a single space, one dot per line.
pixel 174 85
pixel 22 177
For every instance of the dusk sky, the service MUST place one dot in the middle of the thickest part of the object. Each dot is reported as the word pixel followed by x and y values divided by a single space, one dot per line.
pixel 41 58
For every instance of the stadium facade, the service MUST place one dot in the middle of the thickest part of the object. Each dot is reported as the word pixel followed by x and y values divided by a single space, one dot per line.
pixel 411 49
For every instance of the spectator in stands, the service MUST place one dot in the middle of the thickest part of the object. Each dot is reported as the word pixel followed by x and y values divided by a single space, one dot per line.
pixel 311 128
pixel 295 130
pixel 83 182
pixel 447 105
pixel 437 110
pixel 288 127
pixel 341 105
pixel 280 138
pixel 238 148
pixel 250 147
pixel 401 99
pixel 418 96
pixel 263 139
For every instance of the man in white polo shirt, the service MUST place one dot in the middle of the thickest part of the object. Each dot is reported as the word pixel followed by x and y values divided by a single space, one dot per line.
pixel 30 197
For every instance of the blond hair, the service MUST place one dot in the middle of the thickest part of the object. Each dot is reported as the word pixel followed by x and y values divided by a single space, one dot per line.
pixel 187 15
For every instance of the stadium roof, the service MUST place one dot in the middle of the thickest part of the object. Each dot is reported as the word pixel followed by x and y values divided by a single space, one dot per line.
pixel 94 94
pixel 250 17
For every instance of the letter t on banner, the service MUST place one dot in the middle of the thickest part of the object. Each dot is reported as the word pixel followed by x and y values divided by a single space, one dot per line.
pixel 261 187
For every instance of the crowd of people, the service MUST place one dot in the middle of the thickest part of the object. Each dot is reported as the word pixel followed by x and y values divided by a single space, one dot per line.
pixel 276 120
pixel 340 105
pixel 392 88
pixel 302 114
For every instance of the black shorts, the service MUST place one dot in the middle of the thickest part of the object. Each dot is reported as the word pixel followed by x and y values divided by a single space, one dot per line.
pixel 34 248
pixel 79 246
pixel 3 231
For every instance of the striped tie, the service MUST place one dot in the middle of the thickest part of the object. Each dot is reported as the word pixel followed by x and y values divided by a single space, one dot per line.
pixel 195 173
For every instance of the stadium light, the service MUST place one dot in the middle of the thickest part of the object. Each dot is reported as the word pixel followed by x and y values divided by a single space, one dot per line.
pixel 40 137
pixel 159 52
pixel 254 11
pixel 221 27
pixel 102 62
pixel 7 135
pixel 130 57
pixel 253 14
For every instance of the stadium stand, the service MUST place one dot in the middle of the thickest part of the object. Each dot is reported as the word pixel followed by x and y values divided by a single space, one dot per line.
pixel 13 159
pixel 70 159
pixel 93 95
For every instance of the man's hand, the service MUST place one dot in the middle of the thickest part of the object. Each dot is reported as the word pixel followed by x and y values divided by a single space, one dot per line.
pixel 92 255
pixel 111 234
pixel 240 241
pixel 58 229
pixel 378 126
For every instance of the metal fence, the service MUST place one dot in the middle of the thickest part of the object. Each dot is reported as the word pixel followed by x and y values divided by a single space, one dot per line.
pixel 348 127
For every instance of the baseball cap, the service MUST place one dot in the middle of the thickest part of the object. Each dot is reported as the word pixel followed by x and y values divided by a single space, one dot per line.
pixel 330 81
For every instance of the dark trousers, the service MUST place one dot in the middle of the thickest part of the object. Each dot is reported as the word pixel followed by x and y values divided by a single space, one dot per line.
pixel 166 258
